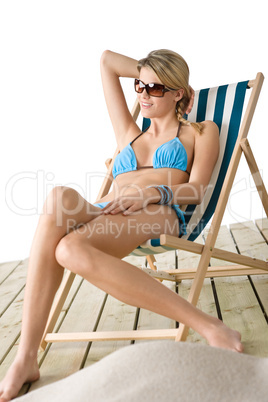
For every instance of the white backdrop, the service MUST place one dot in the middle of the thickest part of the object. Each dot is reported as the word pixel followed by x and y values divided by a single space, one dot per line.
pixel 54 125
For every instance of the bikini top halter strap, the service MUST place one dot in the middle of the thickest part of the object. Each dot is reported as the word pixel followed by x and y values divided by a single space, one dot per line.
pixel 147 167
pixel 148 129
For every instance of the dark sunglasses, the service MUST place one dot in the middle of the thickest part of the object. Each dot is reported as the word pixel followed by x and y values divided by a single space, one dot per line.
pixel 152 89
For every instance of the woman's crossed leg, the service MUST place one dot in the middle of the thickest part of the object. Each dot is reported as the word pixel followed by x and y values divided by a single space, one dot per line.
pixel 63 210
pixel 96 256
pixel 74 234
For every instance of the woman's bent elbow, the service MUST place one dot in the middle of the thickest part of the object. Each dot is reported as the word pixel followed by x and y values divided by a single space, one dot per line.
pixel 105 57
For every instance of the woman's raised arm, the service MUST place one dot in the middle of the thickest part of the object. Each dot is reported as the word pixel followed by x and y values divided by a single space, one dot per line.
pixel 114 66
pixel 206 152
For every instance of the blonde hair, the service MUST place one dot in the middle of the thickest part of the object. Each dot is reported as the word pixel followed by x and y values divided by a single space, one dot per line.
pixel 173 72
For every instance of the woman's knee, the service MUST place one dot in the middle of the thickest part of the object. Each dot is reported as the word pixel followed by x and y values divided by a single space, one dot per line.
pixel 62 252
pixel 70 253
pixel 61 203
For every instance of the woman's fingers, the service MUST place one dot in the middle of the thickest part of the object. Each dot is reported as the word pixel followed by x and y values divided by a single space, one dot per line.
pixel 123 206
pixel 190 105
pixel 116 207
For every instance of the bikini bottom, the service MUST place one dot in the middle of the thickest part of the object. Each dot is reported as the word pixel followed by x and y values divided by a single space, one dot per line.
pixel 181 218
pixel 101 204
pixel 179 213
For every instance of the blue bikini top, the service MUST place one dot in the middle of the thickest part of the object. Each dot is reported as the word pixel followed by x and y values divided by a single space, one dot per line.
pixel 171 154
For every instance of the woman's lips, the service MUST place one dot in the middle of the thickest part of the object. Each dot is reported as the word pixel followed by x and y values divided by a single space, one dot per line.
pixel 146 105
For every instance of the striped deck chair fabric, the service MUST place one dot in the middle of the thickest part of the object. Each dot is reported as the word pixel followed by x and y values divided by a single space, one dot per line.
pixel 224 106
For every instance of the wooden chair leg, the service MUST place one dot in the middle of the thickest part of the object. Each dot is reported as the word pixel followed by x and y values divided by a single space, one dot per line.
pixel 196 287
pixel 182 333
pixel 255 173
pixel 57 306
pixel 151 261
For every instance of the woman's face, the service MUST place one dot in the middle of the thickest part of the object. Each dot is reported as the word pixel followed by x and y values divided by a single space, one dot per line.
pixel 154 107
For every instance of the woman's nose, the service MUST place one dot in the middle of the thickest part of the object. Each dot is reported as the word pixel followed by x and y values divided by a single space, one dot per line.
pixel 145 94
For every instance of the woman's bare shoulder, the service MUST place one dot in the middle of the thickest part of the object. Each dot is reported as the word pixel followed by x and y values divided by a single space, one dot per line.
pixel 209 137
pixel 209 127
pixel 206 150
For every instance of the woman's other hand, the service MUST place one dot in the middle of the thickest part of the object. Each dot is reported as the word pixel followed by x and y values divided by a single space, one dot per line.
pixel 128 204
pixel 190 105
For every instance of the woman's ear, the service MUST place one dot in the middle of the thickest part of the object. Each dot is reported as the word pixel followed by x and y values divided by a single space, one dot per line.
pixel 179 94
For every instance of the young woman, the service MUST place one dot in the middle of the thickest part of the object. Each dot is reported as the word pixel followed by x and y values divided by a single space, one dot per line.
pixel 169 164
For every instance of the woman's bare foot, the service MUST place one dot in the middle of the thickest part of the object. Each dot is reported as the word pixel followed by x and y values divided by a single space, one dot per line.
pixel 21 371
pixel 221 336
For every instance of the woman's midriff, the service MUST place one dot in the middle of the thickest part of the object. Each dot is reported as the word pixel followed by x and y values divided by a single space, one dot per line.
pixel 131 182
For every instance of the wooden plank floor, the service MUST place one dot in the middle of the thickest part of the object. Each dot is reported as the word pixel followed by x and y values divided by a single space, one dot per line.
pixel 242 303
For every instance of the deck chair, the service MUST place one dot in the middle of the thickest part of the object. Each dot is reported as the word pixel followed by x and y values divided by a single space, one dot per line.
pixel 223 105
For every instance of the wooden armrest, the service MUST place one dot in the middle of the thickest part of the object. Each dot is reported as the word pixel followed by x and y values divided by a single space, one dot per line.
pixel 108 162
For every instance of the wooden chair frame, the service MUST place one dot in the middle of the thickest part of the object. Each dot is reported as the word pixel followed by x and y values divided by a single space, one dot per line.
pixel 243 265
